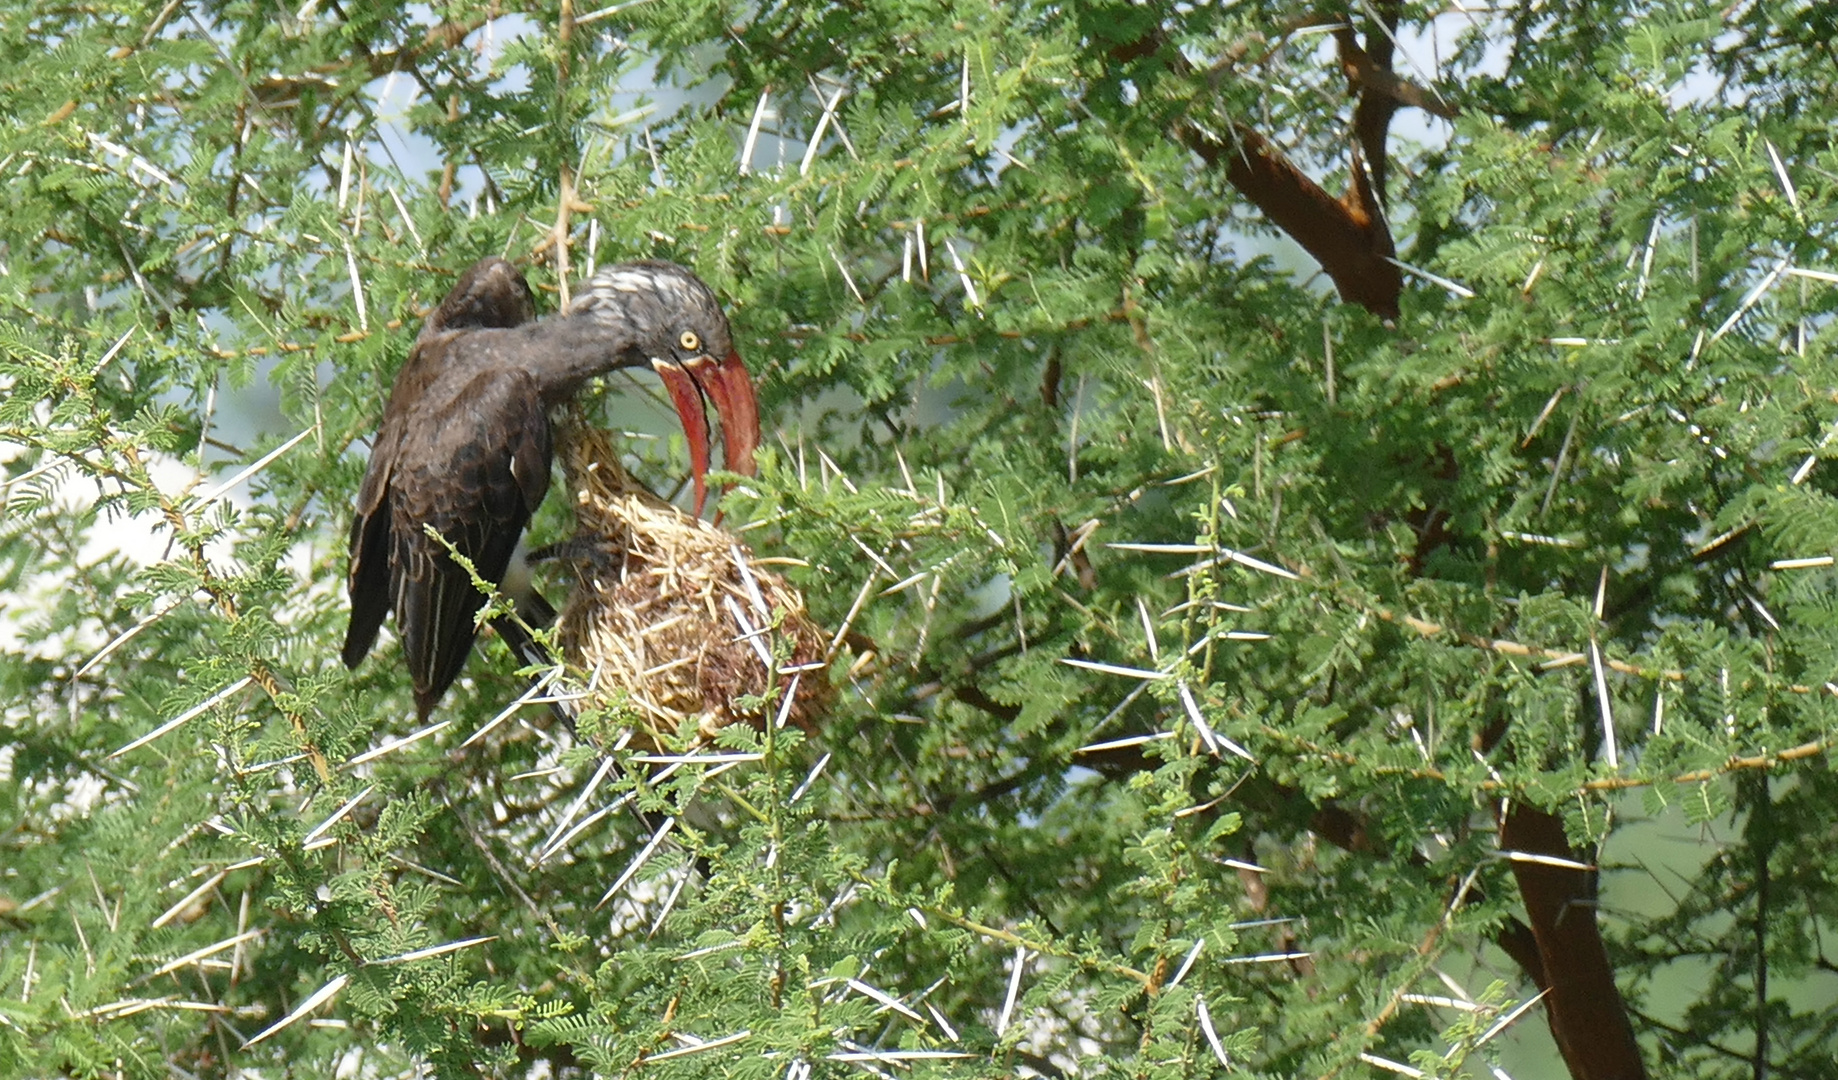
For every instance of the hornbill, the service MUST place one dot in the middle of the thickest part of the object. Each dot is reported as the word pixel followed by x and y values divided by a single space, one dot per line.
pixel 465 444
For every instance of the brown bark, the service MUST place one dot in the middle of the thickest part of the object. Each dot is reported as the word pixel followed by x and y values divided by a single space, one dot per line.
pixel 1347 236
pixel 1587 1016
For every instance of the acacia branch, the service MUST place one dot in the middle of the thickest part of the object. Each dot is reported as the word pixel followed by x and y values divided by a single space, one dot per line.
pixel 1348 236
pixel 1588 1018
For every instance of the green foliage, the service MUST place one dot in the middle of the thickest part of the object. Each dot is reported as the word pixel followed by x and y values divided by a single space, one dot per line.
pixel 1040 390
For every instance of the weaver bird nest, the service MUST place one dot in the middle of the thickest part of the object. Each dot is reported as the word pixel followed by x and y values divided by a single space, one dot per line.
pixel 677 614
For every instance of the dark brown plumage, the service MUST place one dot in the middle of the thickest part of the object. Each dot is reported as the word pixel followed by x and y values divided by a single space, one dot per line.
pixel 465 445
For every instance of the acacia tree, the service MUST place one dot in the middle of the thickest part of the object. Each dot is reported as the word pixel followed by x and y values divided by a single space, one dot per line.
pixel 1237 672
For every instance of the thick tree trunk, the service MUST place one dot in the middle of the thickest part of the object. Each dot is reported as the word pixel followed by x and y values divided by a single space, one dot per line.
pixel 1588 1018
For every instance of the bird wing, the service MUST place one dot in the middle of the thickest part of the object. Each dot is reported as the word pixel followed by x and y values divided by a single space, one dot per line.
pixel 475 469
pixel 368 582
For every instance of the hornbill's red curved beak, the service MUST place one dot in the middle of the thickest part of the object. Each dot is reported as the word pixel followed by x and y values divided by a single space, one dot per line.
pixel 724 384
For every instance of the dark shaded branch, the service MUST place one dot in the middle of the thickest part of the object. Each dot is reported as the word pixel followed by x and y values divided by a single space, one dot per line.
pixel 1348 237
pixel 1584 1007
pixel 1760 830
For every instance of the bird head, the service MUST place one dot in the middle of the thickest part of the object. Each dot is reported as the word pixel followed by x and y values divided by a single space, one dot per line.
pixel 491 294
pixel 681 329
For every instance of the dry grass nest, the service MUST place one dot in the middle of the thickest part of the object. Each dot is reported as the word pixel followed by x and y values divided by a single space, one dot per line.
pixel 677 613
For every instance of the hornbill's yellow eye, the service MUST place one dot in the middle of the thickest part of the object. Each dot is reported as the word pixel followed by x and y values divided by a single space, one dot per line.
pixel 689 340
